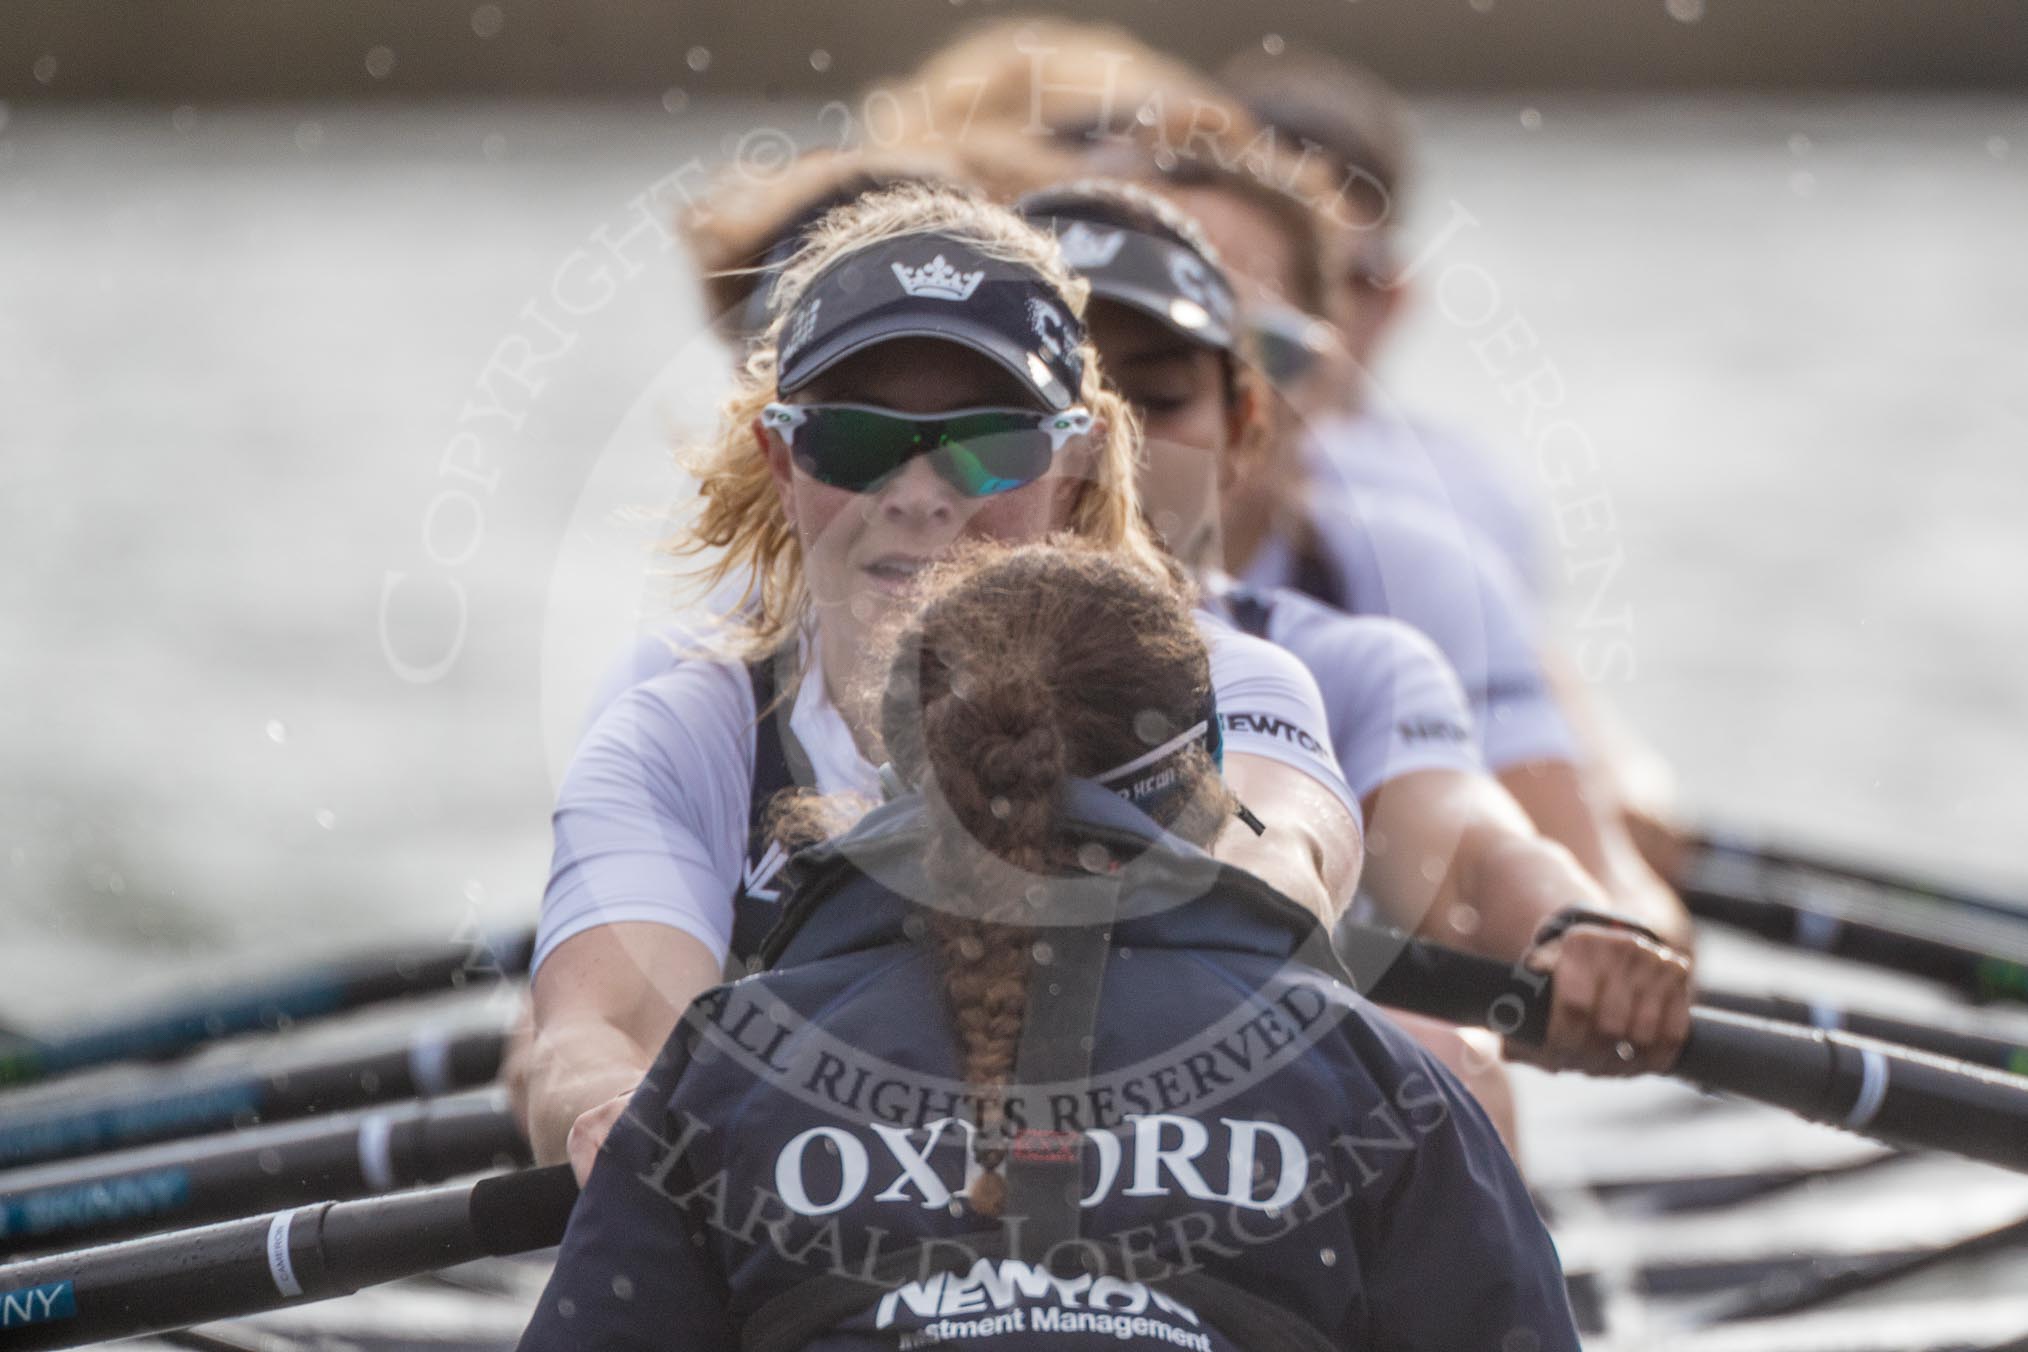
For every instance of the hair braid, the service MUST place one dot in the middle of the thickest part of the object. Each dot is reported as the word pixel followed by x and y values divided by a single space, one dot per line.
pixel 1020 668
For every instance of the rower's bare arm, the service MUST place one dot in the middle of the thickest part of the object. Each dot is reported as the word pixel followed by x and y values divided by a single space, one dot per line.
pixel 1555 796
pixel 1311 851
pixel 1451 856
pixel 604 1003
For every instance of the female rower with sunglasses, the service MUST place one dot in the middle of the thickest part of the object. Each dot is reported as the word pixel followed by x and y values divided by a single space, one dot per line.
pixel 1387 552
pixel 925 380
pixel 1030 1071
pixel 1449 851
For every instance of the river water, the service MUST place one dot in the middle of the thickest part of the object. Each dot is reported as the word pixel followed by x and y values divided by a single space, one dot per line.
pixel 335 445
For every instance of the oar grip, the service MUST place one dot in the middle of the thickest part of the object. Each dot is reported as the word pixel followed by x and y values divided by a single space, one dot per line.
pixel 1894 1095
pixel 1390 968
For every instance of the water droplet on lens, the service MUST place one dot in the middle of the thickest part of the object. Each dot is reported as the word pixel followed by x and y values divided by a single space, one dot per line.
pixel 380 62
pixel 184 118
pixel 1684 11
pixel 623 1287
pixel 309 135
pixel 277 732
pixel 326 818
pixel 820 60
pixel 674 100
pixel 45 69
pixel 698 58
pixel 1328 1257
pixel 488 20
pixel 1531 119
pixel 1272 44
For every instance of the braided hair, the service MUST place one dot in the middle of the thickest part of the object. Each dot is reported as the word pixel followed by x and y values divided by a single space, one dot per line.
pixel 1021 667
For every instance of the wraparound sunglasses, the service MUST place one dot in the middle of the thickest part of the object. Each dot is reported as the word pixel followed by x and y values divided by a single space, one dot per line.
pixel 977 451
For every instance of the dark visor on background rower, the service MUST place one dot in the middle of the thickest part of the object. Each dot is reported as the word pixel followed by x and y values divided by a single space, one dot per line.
pixel 978 452
pixel 1161 278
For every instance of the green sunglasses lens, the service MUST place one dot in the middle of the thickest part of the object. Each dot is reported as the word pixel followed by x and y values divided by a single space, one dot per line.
pixel 978 454
pixel 1282 357
pixel 986 453
pixel 855 448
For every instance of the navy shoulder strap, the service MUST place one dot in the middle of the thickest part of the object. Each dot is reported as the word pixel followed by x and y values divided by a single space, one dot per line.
pixel 1251 610
pixel 1315 576
pixel 779 764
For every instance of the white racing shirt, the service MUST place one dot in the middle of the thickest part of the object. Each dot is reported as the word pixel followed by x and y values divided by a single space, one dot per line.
pixel 1382 451
pixel 652 821
pixel 1387 555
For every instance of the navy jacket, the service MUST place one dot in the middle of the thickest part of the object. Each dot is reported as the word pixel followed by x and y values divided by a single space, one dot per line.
pixel 1245 1115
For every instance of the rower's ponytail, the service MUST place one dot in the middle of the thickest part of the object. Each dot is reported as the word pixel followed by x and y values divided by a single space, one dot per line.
pixel 1023 667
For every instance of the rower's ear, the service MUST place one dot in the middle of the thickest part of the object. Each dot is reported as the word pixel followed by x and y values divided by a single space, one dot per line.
pixel 1248 427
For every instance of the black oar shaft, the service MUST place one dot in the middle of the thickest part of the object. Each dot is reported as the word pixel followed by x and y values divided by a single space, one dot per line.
pixel 1978 1048
pixel 1744 851
pixel 242 1267
pixel 1902 1097
pixel 327 989
pixel 231 1174
pixel 1988 967
pixel 426 1065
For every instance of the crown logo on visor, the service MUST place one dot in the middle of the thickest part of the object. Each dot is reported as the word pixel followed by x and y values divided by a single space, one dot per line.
pixel 938 280
pixel 1084 247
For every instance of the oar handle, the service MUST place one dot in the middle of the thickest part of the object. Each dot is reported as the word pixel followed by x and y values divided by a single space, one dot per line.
pixel 288 1257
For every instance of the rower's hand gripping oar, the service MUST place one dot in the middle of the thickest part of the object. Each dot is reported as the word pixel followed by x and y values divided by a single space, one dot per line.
pixel 1903 1097
pixel 242 1267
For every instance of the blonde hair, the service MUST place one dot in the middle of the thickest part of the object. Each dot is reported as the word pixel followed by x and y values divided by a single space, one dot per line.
pixel 742 517
pixel 1052 76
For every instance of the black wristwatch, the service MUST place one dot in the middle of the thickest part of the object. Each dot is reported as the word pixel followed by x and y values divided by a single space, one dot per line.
pixel 1556 926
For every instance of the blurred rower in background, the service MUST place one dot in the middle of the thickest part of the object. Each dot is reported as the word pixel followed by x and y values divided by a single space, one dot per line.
pixel 1285 226
pixel 1361 130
